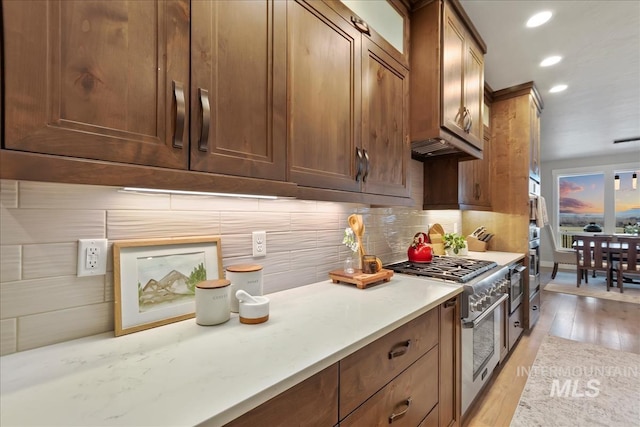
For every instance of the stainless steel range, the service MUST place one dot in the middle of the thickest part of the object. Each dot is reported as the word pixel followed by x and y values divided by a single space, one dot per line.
pixel 485 288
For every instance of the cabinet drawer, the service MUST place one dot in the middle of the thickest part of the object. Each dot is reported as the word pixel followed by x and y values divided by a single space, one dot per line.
pixel 314 400
pixel 431 420
pixel 515 326
pixel 370 368
pixel 534 309
pixel 405 401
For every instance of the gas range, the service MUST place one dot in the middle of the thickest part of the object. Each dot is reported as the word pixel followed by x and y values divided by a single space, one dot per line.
pixel 457 269
pixel 484 282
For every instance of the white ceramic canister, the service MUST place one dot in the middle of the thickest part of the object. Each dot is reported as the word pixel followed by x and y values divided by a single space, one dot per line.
pixel 213 302
pixel 247 277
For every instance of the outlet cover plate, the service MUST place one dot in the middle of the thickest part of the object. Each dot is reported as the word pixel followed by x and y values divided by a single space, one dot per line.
pixel 92 257
pixel 259 240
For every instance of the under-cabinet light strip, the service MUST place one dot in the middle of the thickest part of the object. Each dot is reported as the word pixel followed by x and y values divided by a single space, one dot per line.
pixel 197 193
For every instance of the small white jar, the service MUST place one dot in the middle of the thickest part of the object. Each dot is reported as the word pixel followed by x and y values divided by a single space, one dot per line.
pixel 213 302
pixel 247 277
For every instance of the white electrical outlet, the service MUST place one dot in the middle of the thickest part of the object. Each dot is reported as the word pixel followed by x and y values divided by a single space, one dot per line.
pixel 259 239
pixel 92 257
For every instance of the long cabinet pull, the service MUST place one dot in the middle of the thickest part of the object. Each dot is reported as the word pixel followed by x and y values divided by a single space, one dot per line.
pixel 178 130
pixel 400 350
pixel 203 142
pixel 366 165
pixel 358 164
pixel 470 121
pixel 362 26
pixel 394 416
pixel 466 120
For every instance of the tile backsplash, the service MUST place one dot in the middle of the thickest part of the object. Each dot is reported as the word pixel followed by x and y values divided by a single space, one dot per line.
pixel 42 301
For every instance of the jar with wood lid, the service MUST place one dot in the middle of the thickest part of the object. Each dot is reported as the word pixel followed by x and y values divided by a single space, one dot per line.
pixel 246 277
pixel 213 302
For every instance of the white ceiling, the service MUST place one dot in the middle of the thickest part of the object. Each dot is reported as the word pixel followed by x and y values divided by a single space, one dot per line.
pixel 600 45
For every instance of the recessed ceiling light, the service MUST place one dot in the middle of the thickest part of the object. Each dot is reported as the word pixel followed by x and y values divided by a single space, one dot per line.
pixel 552 60
pixel 539 19
pixel 557 88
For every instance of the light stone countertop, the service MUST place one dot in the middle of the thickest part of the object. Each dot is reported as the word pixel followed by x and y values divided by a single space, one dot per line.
pixel 186 374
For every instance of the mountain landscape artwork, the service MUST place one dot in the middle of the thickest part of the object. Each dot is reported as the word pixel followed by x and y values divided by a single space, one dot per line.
pixel 168 279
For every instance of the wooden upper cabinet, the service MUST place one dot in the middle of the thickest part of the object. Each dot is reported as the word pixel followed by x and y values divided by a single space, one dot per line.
pixel 324 102
pixel 385 122
pixel 238 88
pixel 98 80
pixel 447 64
pixel 534 156
pixel 463 80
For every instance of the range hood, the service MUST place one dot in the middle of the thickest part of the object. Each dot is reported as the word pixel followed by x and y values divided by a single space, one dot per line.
pixel 445 145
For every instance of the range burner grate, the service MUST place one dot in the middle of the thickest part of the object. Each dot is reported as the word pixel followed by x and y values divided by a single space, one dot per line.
pixel 459 270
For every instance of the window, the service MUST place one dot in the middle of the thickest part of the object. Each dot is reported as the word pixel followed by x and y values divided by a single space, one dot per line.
pixel 580 203
pixel 627 201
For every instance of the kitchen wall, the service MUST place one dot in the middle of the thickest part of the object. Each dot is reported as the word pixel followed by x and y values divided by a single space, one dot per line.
pixel 42 301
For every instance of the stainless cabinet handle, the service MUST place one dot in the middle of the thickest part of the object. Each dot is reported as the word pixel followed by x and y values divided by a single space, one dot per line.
pixel 366 165
pixel 534 308
pixel 203 142
pixel 359 164
pixel 394 416
pixel 516 324
pixel 466 125
pixel 470 121
pixel 178 129
pixel 403 348
pixel 362 26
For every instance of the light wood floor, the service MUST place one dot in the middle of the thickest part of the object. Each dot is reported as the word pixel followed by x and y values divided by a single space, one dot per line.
pixel 608 323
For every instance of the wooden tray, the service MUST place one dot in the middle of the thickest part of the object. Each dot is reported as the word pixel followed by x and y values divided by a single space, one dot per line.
pixel 360 279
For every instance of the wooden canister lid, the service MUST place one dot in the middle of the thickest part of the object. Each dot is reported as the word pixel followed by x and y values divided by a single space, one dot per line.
pixel 212 284
pixel 244 268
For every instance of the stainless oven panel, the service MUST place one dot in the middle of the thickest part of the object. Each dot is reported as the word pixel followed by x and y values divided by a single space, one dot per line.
pixel 481 350
pixel 534 308
pixel 516 286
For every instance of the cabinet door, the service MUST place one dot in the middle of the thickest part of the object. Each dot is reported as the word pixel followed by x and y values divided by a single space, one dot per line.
pixel 450 379
pixel 534 155
pixel 313 402
pixel 453 68
pixel 474 91
pixel 98 80
pixel 238 54
pixel 385 122
pixel 324 104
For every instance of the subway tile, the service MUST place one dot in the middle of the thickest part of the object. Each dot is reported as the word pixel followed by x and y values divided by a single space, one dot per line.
pixel 291 241
pixel 62 325
pixel 344 209
pixel 287 280
pixel 235 245
pixel 108 287
pixel 161 224
pixel 316 221
pixel 213 203
pixel 288 205
pixel 301 260
pixel 47 195
pixel 8 193
pixel 330 237
pixel 49 260
pixel 8 336
pixel 246 222
pixel 55 293
pixel 10 263
pixel 30 226
pixel 272 263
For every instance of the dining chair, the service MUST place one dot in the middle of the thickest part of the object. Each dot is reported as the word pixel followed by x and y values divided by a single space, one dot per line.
pixel 560 256
pixel 593 253
pixel 628 259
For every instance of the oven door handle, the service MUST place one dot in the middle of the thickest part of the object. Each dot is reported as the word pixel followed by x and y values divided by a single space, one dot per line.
pixel 488 311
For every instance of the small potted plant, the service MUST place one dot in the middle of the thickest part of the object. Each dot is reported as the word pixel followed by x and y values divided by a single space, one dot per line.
pixel 454 244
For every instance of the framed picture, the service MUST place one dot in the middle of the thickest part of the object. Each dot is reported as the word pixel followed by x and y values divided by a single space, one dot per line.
pixel 154 280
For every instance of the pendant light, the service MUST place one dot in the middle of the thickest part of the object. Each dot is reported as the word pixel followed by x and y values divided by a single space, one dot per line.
pixel 616 181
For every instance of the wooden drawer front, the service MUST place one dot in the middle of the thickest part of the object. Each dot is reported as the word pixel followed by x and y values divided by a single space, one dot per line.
pixel 515 326
pixel 432 419
pixel 419 384
pixel 313 402
pixel 370 368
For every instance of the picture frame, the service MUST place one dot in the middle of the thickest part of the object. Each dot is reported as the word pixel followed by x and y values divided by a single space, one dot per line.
pixel 154 279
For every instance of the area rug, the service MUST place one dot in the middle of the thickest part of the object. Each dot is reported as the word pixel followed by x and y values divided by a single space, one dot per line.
pixel 566 283
pixel 579 384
